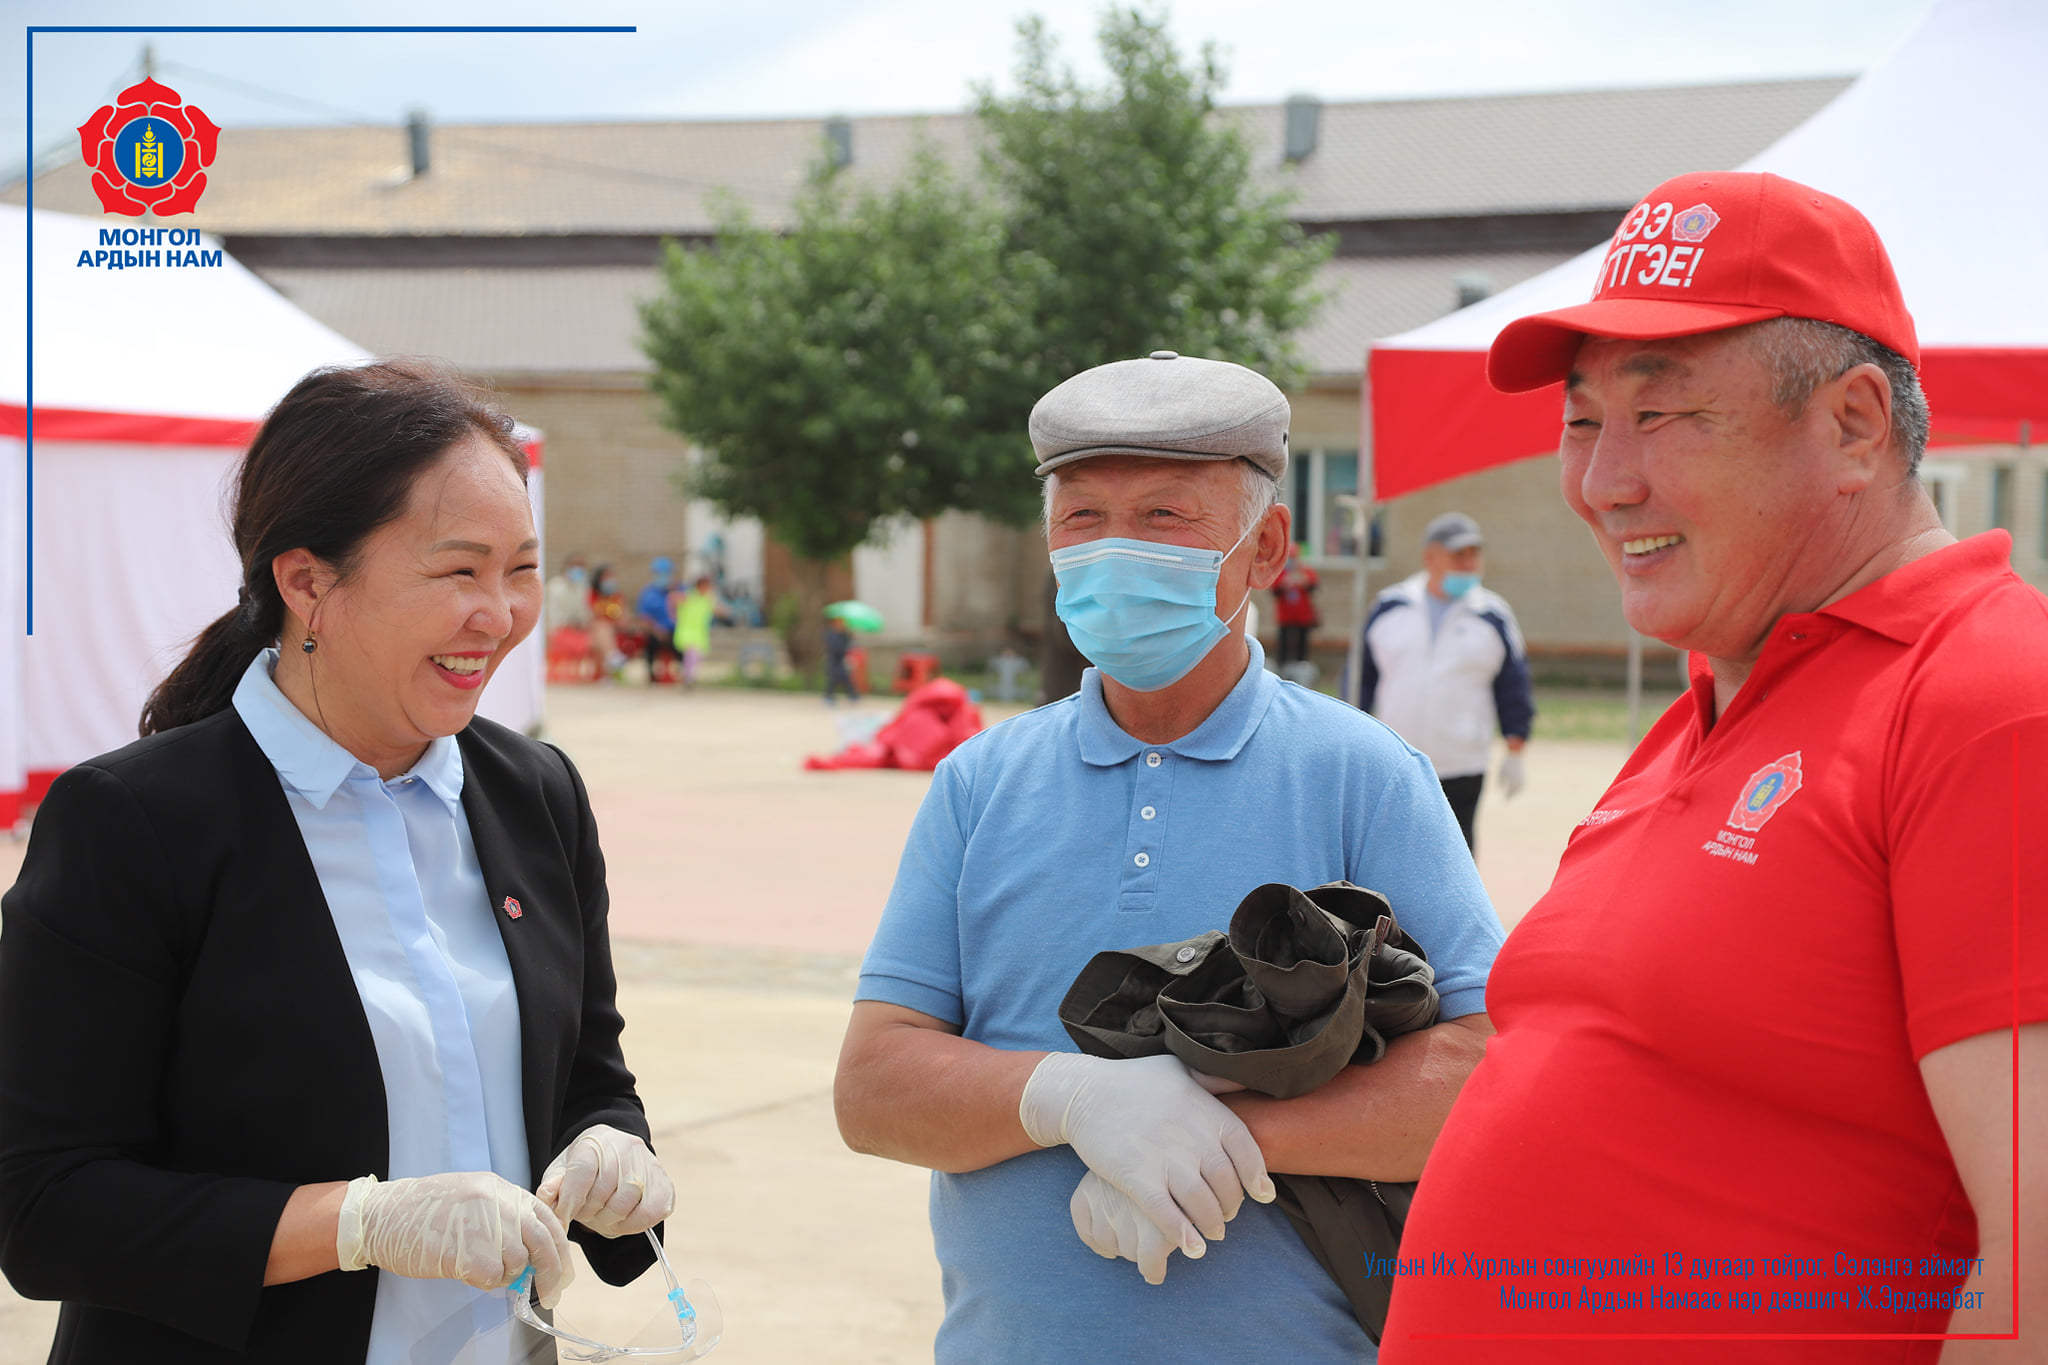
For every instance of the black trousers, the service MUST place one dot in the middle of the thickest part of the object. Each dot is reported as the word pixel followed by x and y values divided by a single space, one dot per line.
pixel 1463 794
pixel 1294 643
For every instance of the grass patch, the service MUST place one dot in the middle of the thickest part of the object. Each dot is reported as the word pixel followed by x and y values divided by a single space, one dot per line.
pixel 1593 713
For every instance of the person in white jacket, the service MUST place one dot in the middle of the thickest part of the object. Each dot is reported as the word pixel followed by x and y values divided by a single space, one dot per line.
pixel 1444 663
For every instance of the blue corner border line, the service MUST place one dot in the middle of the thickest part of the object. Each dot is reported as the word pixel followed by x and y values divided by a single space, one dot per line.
pixel 29 178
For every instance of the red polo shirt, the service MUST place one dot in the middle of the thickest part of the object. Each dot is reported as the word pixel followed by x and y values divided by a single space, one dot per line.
pixel 1705 1080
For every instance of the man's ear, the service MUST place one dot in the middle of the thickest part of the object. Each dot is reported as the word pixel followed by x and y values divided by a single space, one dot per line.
pixel 1860 409
pixel 1275 539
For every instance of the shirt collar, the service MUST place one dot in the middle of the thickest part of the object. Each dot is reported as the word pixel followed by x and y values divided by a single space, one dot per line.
pixel 1217 739
pixel 1903 603
pixel 308 761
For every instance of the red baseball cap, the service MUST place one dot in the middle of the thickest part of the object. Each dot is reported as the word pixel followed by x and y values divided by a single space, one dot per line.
pixel 1714 250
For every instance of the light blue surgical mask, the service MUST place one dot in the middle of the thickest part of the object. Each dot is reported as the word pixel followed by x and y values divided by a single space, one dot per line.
pixel 1456 585
pixel 1142 612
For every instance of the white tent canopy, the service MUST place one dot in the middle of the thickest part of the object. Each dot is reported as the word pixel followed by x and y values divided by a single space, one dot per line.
pixel 1939 145
pixel 148 383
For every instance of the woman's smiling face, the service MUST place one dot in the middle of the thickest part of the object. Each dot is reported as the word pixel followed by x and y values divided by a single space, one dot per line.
pixel 437 598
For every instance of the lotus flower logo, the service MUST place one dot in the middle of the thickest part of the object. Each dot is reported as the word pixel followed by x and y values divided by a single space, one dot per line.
pixel 149 151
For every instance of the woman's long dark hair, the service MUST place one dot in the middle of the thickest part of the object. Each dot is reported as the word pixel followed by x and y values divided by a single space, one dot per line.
pixel 335 460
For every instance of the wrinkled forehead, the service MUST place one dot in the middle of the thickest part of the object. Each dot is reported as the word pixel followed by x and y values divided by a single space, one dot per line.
pixel 1608 361
pixel 1138 476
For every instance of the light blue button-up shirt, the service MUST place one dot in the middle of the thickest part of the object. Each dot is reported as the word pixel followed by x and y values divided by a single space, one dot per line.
pixel 1056 835
pixel 401 879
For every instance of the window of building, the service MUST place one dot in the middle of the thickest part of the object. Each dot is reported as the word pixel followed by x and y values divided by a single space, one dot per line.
pixel 2041 548
pixel 2001 496
pixel 1323 499
pixel 1945 485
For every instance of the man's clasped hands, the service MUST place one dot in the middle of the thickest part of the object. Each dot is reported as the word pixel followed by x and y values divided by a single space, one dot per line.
pixel 1168 1163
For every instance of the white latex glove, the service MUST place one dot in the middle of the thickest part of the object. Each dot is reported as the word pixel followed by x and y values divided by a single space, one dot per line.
pixel 472 1226
pixel 1511 775
pixel 1112 1226
pixel 1145 1126
pixel 608 1181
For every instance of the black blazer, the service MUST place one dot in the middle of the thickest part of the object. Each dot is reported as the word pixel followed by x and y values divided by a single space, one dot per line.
pixel 181 1042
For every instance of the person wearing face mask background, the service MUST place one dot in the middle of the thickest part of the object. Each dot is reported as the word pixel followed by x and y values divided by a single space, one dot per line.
pixel 1444 662
pixel 1138 811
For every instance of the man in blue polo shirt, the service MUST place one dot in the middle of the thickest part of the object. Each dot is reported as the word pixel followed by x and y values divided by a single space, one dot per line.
pixel 1141 811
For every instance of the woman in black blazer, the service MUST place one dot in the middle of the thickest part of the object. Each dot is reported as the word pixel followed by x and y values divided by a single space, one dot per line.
pixel 195 1133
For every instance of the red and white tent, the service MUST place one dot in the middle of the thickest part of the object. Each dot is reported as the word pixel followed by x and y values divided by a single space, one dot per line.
pixel 1939 145
pixel 149 383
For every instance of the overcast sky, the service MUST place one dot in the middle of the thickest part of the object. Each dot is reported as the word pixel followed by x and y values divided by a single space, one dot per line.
pixel 776 58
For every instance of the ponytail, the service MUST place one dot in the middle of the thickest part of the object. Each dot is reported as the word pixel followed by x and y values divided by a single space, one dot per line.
pixel 204 682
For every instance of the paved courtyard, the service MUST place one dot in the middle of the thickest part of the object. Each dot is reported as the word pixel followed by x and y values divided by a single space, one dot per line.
pixel 743 890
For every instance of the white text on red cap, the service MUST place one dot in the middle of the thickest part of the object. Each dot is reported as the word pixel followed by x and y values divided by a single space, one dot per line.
pixel 1669 264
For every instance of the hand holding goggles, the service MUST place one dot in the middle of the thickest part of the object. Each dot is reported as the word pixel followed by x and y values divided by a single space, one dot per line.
pixel 697 1327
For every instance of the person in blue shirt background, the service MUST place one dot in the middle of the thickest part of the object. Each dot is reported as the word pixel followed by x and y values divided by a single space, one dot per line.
pixel 1140 811
pixel 657 612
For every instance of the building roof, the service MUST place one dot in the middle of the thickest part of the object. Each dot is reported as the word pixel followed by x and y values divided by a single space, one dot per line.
pixel 1502 154
pixel 1589 149
pixel 1378 296
pixel 496 322
pixel 464 261
pixel 583 319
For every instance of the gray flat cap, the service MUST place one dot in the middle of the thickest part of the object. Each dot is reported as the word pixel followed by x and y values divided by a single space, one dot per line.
pixel 1168 406
pixel 1453 531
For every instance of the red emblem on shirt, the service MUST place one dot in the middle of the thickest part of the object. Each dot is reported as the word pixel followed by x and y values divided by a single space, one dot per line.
pixel 1768 788
pixel 512 910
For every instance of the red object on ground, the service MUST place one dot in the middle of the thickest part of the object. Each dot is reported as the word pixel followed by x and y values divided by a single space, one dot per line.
pixel 914 669
pixel 931 724
pixel 569 656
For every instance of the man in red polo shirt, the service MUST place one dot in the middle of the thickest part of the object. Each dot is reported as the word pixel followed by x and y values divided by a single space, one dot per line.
pixel 1754 1073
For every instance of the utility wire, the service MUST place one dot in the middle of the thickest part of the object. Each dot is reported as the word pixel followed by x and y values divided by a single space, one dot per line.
pixel 55 152
pixel 277 97
pixel 454 136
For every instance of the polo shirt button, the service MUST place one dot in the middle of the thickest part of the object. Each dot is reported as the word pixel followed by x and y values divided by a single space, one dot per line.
pixel 1143 860
pixel 1148 812
pixel 1152 760
pixel 1184 955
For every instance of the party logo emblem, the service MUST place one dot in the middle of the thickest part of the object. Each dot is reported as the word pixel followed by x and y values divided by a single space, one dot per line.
pixel 1693 224
pixel 1766 792
pixel 149 151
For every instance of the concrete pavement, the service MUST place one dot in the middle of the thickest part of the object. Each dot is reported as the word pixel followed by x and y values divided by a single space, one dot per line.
pixel 743 890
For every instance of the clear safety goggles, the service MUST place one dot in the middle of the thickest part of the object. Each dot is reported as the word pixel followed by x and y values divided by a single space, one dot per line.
pixel 691 1327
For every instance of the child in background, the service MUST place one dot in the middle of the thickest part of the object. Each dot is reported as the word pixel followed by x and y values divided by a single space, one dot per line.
pixel 694 612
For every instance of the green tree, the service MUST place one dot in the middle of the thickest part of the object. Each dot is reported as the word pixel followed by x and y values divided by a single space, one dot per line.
pixel 1139 199
pixel 873 361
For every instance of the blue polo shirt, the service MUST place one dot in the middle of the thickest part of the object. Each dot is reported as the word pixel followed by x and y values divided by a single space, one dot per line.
pixel 1054 836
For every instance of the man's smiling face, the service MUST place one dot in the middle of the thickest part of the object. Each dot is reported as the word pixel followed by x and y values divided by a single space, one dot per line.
pixel 1718 512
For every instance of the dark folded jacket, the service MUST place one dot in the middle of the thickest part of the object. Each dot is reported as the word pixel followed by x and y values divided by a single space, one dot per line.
pixel 1304 984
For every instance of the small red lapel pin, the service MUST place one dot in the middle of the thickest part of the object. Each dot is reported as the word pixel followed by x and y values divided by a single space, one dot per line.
pixel 512 910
